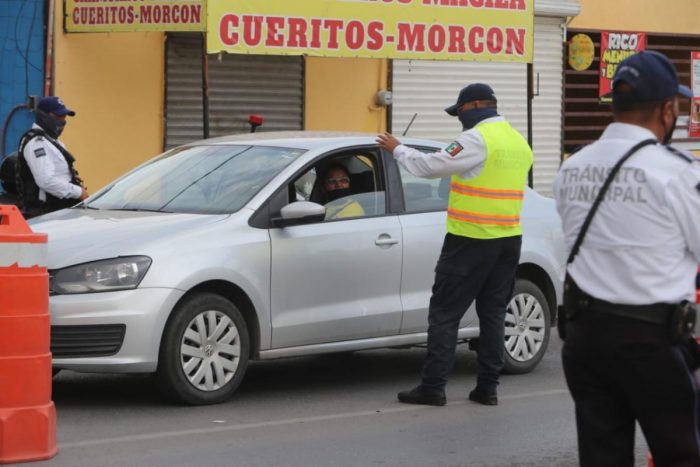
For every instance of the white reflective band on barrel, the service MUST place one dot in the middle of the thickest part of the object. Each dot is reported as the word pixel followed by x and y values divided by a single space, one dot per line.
pixel 25 255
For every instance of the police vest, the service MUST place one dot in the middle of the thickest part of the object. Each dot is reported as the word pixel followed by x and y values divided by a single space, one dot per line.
pixel 28 190
pixel 488 205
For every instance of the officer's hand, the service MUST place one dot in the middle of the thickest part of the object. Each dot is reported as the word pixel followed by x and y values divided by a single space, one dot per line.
pixel 388 141
pixel 83 194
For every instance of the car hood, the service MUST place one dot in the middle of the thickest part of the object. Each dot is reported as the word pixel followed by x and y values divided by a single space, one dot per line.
pixel 81 235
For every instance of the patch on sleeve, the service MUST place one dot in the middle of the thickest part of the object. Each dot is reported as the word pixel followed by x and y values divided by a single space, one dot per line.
pixel 454 149
pixel 39 152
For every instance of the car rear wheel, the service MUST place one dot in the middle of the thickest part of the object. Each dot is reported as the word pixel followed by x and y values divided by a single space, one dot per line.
pixel 527 328
pixel 204 351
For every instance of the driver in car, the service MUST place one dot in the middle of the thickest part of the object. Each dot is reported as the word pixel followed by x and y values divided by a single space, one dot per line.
pixel 336 185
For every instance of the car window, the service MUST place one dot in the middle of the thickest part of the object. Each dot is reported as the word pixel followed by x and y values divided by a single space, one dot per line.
pixel 363 193
pixel 209 179
pixel 424 194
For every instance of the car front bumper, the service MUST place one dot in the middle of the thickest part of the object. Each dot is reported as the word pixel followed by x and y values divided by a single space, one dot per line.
pixel 86 329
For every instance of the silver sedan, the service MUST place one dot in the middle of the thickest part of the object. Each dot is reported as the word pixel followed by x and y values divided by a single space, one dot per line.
pixel 223 251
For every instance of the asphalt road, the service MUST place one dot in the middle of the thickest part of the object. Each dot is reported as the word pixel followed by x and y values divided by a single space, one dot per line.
pixel 333 410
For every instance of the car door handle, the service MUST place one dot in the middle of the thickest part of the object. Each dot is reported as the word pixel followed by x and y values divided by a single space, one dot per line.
pixel 385 240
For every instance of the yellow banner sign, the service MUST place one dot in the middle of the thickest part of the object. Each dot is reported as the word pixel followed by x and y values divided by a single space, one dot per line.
pixel 135 15
pixel 487 30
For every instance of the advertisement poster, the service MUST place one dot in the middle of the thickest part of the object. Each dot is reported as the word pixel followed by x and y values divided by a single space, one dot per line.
pixel 614 48
pixel 135 15
pixel 401 29
pixel 694 123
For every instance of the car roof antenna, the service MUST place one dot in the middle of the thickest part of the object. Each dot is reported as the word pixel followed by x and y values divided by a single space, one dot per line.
pixel 409 124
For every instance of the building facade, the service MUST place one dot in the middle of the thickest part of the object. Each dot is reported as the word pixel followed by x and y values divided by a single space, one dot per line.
pixel 669 27
pixel 138 93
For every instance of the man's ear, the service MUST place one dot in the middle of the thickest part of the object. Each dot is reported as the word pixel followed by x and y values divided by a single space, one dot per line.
pixel 669 108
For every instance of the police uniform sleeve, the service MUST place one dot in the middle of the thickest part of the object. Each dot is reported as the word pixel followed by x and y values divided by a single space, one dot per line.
pixel 39 156
pixel 463 155
pixel 683 196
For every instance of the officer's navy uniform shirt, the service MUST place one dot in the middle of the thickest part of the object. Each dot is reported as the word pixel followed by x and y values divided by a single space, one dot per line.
pixel 50 169
pixel 643 245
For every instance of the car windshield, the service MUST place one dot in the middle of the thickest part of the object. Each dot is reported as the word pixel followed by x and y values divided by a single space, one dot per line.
pixel 215 179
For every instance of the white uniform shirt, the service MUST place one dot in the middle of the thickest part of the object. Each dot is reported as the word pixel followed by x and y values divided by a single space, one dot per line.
pixel 643 244
pixel 465 157
pixel 49 167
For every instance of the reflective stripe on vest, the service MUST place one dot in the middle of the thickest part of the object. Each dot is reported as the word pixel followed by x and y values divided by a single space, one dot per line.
pixel 489 205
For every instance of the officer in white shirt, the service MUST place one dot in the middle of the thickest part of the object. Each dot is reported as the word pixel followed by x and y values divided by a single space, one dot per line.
pixel 46 177
pixel 488 164
pixel 637 261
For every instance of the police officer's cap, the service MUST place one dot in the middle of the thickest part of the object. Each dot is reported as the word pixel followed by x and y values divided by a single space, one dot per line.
pixel 473 92
pixel 52 104
pixel 651 77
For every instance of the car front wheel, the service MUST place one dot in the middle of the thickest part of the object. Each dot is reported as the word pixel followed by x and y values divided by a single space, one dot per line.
pixel 204 351
pixel 527 328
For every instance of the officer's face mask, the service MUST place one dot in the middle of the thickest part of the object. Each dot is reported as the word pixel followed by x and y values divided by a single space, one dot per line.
pixel 472 116
pixel 668 134
pixel 52 125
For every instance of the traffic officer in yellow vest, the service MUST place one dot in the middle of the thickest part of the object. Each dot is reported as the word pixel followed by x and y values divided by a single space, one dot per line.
pixel 488 165
pixel 628 354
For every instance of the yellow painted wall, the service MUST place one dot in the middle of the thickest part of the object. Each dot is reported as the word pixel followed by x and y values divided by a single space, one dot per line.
pixel 114 82
pixel 340 94
pixel 671 16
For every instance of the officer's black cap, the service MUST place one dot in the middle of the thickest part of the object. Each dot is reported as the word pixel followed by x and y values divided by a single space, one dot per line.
pixel 53 104
pixel 651 77
pixel 471 93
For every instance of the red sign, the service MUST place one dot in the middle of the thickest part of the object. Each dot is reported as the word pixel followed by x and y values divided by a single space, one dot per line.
pixel 694 123
pixel 614 48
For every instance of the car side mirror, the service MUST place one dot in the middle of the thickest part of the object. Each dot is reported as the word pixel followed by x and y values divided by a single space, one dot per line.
pixel 300 212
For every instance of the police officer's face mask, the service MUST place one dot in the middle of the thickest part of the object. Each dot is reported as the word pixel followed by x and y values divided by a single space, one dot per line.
pixel 668 134
pixel 471 117
pixel 53 126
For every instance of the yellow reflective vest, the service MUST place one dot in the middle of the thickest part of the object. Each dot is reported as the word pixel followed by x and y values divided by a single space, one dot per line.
pixel 488 205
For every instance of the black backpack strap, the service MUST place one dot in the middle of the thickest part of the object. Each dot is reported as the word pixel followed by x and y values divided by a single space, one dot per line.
pixel 681 154
pixel 28 136
pixel 601 194
pixel 34 132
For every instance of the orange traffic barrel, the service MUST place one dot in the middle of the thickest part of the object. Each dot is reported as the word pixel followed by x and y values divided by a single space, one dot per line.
pixel 27 413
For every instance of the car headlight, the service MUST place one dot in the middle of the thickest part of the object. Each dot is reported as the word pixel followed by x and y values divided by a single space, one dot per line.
pixel 100 276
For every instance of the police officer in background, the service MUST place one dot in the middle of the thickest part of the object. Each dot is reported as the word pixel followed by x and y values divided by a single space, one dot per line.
pixel 488 164
pixel 624 358
pixel 46 178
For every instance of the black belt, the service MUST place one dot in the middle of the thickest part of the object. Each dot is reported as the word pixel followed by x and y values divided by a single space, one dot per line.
pixel 656 313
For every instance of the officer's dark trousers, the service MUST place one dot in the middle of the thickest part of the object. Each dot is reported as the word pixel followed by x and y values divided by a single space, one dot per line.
pixel 470 269
pixel 620 370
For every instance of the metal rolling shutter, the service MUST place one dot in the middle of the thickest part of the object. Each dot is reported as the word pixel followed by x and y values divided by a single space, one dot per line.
pixel 183 96
pixel 547 104
pixel 239 85
pixel 426 87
